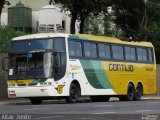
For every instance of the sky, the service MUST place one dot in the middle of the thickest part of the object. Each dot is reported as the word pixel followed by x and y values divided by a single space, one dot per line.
pixel 34 4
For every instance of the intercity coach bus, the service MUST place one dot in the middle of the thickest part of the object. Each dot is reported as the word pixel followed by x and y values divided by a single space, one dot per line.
pixel 54 65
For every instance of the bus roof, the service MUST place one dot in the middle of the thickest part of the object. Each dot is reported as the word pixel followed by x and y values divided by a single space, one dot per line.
pixel 40 35
pixel 81 37
pixel 111 40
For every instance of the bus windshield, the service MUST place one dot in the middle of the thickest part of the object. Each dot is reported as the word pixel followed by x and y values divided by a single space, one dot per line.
pixel 31 65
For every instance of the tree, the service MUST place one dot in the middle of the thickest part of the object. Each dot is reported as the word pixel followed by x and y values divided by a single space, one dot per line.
pixel 139 18
pixel 2 3
pixel 6 34
pixel 80 9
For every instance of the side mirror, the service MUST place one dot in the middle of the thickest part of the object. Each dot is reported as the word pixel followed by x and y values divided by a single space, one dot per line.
pixel 5 65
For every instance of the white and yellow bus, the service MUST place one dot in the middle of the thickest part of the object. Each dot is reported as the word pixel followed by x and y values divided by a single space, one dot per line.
pixel 47 66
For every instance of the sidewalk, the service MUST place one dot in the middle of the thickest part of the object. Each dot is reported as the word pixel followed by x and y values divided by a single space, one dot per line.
pixel 83 99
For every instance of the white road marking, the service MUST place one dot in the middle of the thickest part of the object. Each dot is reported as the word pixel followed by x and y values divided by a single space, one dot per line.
pixel 105 113
pixel 104 105
pixel 36 108
pixel 153 103
pixel 49 117
pixel 143 110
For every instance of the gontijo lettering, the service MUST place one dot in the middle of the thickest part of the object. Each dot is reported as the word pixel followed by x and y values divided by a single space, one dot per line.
pixel 121 67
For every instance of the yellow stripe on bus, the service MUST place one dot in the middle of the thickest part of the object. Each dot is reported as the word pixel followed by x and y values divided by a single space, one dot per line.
pixel 19 81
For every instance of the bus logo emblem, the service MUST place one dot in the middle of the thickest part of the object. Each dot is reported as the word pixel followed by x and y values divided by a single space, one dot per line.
pixel 60 89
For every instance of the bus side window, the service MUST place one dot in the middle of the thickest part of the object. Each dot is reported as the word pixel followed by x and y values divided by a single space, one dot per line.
pixel 150 55
pixel 142 54
pixel 59 58
pixel 87 51
pixel 72 48
pixel 104 51
pixel 117 52
pixel 75 49
pixel 130 53
pixel 78 49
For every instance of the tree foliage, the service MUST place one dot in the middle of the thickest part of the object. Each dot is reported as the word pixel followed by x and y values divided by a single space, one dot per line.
pixel 138 18
pixel 6 34
pixel 80 9
pixel 2 3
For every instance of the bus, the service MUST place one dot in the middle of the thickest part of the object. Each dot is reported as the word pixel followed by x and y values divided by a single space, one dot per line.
pixel 55 65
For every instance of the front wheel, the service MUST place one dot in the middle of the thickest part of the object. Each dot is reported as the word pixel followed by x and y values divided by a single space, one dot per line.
pixel 73 94
pixel 36 101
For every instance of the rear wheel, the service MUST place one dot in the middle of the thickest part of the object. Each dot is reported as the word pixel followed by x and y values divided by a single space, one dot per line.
pixel 36 101
pixel 73 95
pixel 99 98
pixel 130 94
pixel 138 92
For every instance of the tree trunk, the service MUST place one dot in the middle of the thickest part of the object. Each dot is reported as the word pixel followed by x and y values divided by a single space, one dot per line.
pixel 2 2
pixel 82 18
pixel 73 22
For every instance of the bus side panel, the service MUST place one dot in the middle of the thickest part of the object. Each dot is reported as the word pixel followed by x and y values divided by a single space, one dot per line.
pixel 120 74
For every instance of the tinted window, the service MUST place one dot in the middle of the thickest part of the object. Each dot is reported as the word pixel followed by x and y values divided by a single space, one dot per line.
pixel 101 49
pixel 59 44
pixel 72 48
pixel 139 54
pixel 93 50
pixel 87 51
pixel 117 52
pixel 104 51
pixel 150 55
pixel 142 54
pixel 75 48
pixel 130 53
pixel 108 51
pixel 90 50
pixel 78 49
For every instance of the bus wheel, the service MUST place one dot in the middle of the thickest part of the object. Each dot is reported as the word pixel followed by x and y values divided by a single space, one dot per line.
pixel 36 101
pixel 99 98
pixel 74 92
pixel 138 92
pixel 130 94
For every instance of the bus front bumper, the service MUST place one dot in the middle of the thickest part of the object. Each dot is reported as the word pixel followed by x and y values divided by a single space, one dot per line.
pixel 46 91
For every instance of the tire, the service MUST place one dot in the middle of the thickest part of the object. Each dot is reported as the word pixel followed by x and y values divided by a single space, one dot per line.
pixel 36 101
pixel 99 98
pixel 73 94
pixel 130 94
pixel 138 92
